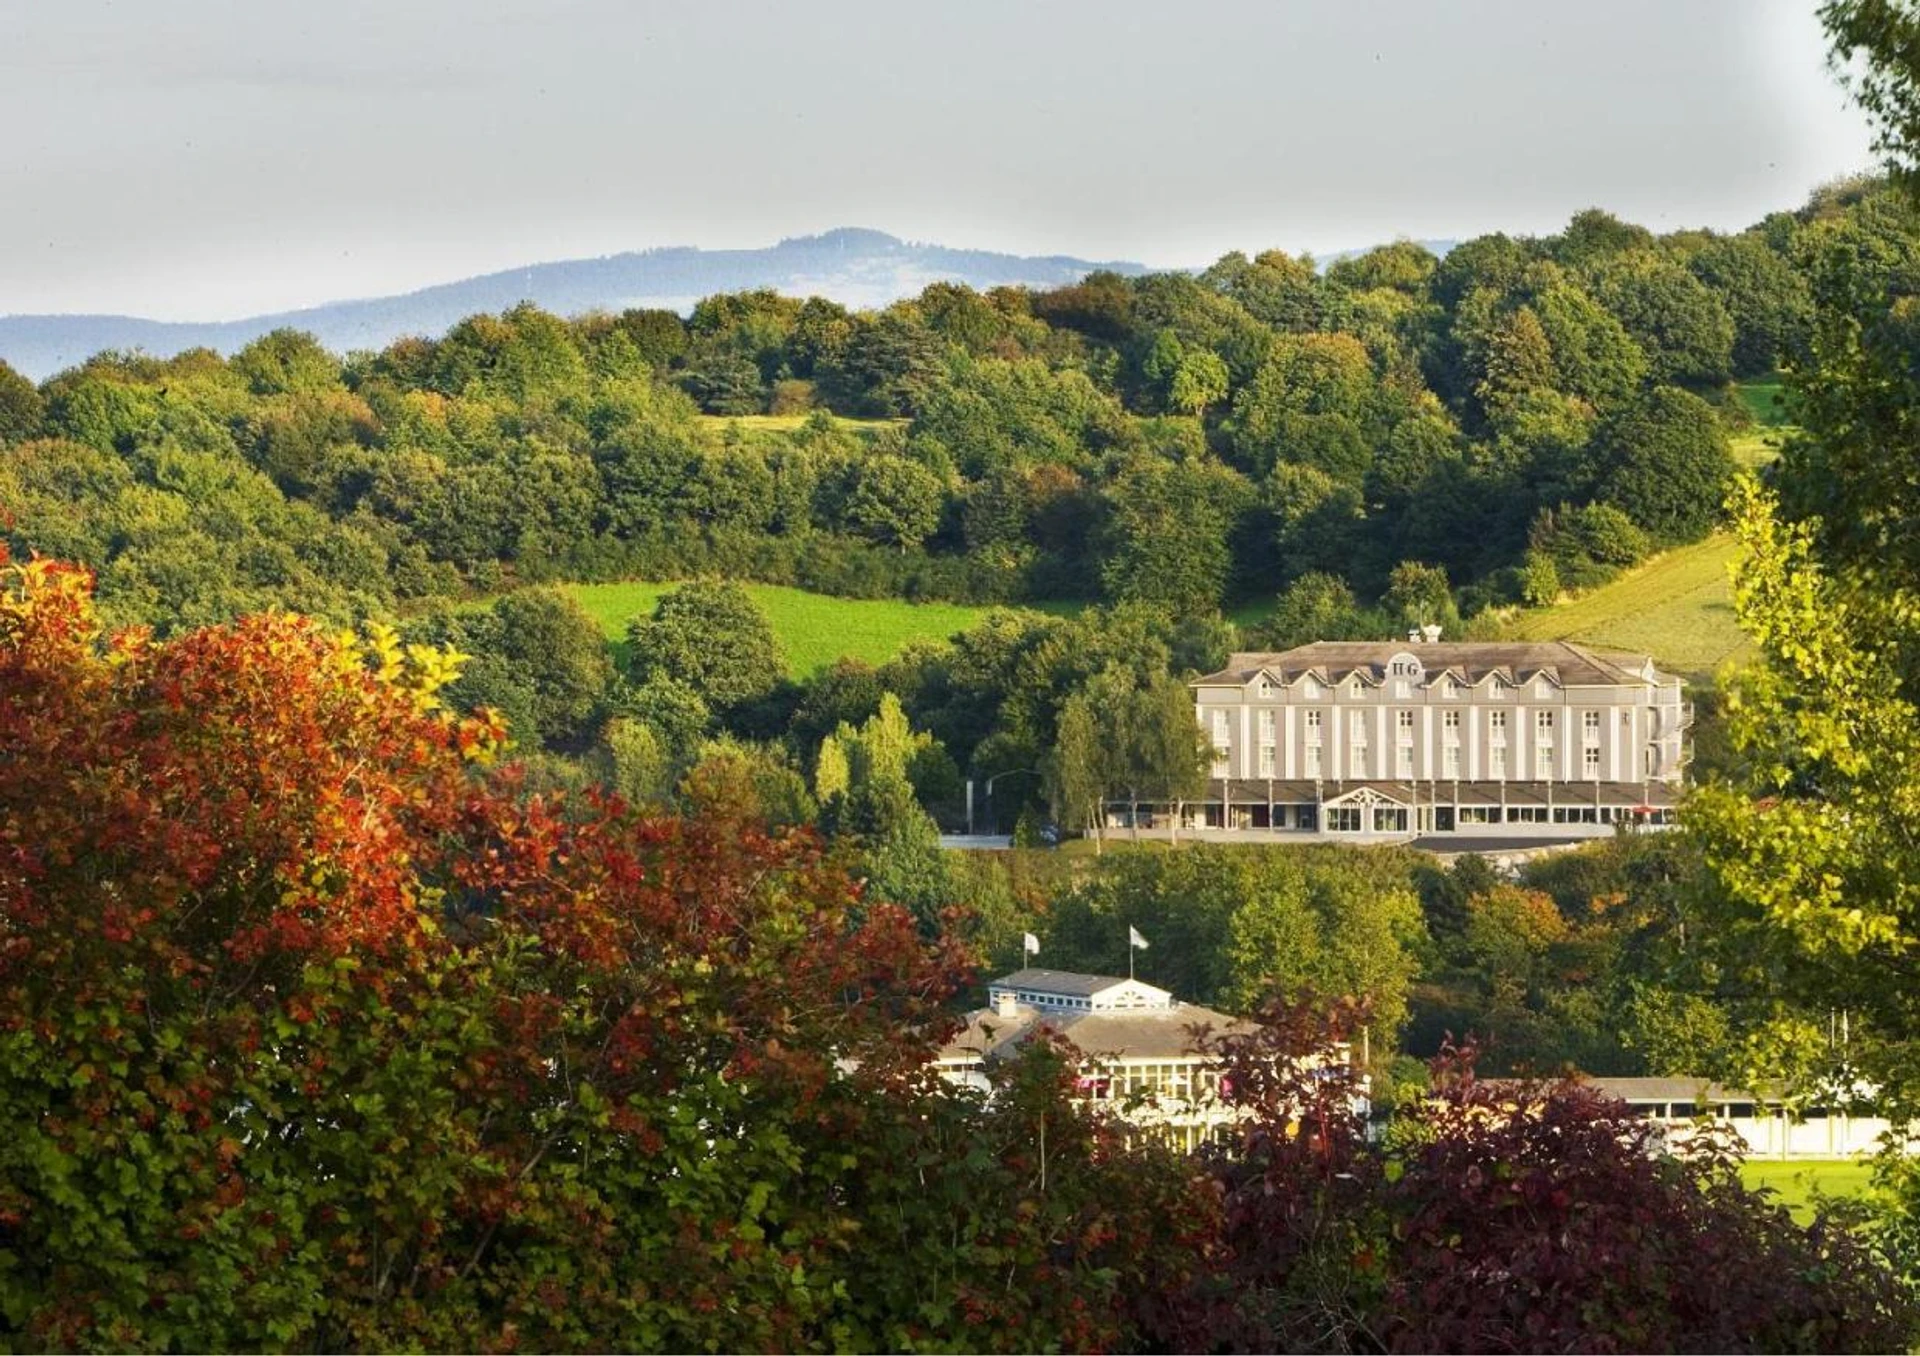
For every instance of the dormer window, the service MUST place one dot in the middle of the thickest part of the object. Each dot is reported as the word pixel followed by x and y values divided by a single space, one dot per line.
pixel 1542 688
pixel 1355 689
pixel 1310 689
pixel 1266 687
pixel 1497 690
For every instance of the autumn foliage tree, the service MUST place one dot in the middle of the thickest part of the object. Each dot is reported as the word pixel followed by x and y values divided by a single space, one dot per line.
pixel 317 1032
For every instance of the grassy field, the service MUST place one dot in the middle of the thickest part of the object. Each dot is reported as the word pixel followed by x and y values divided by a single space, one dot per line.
pixel 1798 1182
pixel 814 630
pixel 1677 607
pixel 787 423
pixel 1765 401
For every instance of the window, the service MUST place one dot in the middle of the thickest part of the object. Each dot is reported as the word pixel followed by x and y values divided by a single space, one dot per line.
pixel 1343 819
pixel 1404 721
pixel 1497 760
pixel 1266 760
pixel 1497 724
pixel 1590 761
pixel 1497 690
pixel 1313 762
pixel 1357 748
pixel 1590 727
pixel 1449 689
pixel 1543 724
pixel 1543 761
pixel 1266 687
pixel 1313 727
pixel 1450 724
pixel 1355 688
pixel 1542 688
pixel 1402 688
pixel 1221 742
pixel 1310 689
pixel 1389 819
pixel 1266 727
pixel 1450 762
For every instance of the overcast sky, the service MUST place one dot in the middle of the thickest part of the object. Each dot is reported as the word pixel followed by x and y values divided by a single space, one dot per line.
pixel 203 159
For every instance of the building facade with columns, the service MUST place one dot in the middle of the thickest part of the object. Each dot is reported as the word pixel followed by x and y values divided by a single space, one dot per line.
pixel 1444 742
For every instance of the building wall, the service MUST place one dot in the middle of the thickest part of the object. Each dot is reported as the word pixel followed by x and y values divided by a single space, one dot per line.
pixel 1269 730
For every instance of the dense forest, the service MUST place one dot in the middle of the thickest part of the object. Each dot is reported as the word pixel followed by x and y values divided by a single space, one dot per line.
pixel 1520 414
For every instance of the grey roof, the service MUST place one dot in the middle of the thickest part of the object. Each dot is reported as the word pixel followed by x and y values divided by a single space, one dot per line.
pixel 1137 1033
pixel 1654 1091
pixel 1331 661
pixel 1057 981
pixel 1684 1090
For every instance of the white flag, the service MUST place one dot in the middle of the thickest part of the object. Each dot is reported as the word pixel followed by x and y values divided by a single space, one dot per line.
pixel 1134 938
pixel 1031 944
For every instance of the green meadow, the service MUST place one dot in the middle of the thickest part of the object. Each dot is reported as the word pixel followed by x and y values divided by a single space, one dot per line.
pixel 1676 607
pixel 814 630
pixel 1801 1183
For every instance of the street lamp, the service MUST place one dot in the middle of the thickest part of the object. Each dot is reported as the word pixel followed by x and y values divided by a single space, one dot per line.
pixel 1009 772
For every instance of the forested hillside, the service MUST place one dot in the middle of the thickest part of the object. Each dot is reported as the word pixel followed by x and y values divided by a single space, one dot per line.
pixel 1522 415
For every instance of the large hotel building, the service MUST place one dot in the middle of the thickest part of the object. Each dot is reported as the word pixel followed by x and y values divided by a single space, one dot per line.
pixel 1441 742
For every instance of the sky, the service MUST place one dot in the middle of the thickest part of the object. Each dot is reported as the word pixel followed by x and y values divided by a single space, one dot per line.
pixel 212 159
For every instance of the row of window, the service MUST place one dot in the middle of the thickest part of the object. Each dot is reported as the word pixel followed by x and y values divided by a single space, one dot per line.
pixel 1450 762
pixel 1313 690
pixel 1313 721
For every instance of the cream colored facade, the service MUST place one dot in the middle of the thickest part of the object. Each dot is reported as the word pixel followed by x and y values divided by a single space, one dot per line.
pixel 1421 737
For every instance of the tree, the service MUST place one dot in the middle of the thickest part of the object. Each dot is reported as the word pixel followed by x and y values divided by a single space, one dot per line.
pixel 560 653
pixel 1684 330
pixel 21 408
pixel 1079 775
pixel 1418 595
pixel 1316 606
pixel 1872 44
pixel 894 501
pixel 1663 461
pixel 710 636
pixel 1167 533
pixel 1817 839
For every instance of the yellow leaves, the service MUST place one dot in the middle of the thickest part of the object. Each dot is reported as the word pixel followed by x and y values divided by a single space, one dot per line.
pixel 420 671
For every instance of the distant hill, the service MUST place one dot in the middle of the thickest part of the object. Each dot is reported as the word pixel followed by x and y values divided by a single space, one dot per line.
pixel 855 267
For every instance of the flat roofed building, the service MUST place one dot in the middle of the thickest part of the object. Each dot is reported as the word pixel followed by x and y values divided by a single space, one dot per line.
pixel 1422 739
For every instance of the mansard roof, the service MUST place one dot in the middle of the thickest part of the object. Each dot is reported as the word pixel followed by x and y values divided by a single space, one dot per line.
pixel 1331 661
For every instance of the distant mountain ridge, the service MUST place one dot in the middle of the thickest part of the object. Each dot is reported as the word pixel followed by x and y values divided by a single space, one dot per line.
pixel 853 266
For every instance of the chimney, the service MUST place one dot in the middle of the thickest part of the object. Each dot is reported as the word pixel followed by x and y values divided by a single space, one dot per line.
pixel 1432 632
pixel 1004 1004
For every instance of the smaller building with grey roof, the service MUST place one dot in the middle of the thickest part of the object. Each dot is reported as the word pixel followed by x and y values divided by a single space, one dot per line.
pixel 1138 1040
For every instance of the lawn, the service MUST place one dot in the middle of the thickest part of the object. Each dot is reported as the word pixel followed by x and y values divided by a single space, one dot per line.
pixel 787 423
pixel 1765 401
pixel 1676 607
pixel 1799 1180
pixel 813 629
